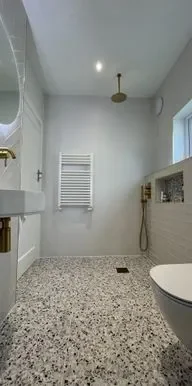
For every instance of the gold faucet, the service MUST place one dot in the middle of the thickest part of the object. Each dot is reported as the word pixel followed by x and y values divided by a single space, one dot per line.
pixel 6 153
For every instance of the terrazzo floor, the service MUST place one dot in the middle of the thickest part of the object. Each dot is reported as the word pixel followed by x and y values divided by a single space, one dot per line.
pixel 79 322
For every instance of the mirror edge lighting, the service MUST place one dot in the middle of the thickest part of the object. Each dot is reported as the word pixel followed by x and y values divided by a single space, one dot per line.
pixel 7 129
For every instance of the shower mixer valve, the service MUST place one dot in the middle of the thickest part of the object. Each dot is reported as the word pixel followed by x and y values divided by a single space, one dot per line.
pixel 146 192
pixel 145 195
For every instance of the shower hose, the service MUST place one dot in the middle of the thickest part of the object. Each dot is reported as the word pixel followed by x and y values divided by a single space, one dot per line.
pixel 143 230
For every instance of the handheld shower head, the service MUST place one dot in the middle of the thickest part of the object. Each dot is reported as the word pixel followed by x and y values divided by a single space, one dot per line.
pixel 119 96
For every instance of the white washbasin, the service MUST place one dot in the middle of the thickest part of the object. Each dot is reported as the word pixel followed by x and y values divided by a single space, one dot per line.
pixel 21 202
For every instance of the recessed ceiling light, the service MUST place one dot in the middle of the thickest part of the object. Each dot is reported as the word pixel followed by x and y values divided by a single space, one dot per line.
pixel 98 66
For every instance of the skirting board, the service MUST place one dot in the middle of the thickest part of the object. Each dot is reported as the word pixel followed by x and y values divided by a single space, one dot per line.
pixel 25 261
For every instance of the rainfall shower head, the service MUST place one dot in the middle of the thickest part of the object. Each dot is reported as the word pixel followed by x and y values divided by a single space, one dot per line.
pixel 119 96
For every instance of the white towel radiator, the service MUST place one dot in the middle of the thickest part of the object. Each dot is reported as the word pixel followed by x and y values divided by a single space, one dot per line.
pixel 75 180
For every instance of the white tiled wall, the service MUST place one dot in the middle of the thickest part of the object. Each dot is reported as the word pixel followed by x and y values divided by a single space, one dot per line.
pixel 14 19
pixel 170 224
pixel 121 138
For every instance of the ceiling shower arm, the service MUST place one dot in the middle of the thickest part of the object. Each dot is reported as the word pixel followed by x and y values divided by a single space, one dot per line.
pixel 119 96
pixel 119 80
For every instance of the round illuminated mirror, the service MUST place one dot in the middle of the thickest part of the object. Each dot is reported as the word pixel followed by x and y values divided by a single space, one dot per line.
pixel 9 85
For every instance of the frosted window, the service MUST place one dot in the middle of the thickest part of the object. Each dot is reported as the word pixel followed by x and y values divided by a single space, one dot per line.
pixel 178 140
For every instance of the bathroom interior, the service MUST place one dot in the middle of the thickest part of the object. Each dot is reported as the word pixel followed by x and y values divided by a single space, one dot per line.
pixel 95 192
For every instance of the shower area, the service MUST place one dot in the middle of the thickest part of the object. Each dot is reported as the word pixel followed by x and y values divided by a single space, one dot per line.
pixel 119 136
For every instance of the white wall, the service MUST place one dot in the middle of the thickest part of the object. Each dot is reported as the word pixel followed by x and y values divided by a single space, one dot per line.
pixel 177 92
pixel 121 138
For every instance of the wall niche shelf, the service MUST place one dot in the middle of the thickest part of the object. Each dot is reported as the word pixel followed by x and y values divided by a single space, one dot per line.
pixel 170 189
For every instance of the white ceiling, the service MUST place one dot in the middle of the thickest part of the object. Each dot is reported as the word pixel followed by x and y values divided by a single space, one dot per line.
pixel 140 38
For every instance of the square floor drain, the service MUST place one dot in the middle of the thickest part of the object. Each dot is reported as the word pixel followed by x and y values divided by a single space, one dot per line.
pixel 122 270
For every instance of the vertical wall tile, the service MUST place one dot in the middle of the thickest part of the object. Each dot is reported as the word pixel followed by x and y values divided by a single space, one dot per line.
pixel 170 224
